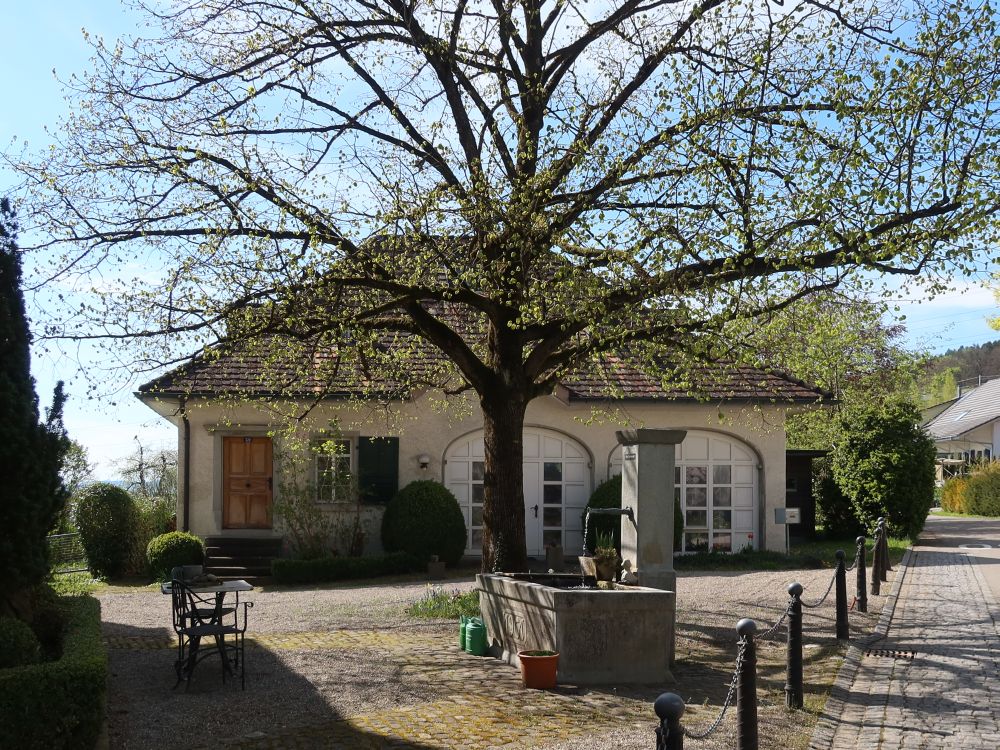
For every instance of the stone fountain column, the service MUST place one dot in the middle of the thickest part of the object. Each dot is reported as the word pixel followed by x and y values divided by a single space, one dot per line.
pixel 648 459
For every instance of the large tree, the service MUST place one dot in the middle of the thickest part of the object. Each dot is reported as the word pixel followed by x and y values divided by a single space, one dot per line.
pixel 514 189
pixel 30 453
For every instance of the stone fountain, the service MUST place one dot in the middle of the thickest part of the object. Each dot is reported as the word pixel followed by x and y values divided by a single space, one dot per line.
pixel 603 636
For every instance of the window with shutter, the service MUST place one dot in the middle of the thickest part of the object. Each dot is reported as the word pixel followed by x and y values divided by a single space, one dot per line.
pixel 378 469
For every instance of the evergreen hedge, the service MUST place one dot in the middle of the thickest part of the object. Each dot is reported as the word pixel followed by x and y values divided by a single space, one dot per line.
pixel 885 464
pixel 327 569
pixel 59 704
pixel 105 515
pixel 982 491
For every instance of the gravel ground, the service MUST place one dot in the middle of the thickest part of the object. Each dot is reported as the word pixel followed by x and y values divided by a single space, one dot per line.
pixel 306 686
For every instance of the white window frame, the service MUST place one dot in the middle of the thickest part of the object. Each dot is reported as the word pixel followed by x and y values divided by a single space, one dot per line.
pixel 338 466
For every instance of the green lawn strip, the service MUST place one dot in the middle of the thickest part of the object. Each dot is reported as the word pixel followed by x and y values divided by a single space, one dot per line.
pixel 951 514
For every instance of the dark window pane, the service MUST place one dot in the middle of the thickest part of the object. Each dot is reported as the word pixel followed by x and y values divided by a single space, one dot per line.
pixel 722 496
pixel 722 519
pixel 696 519
pixel 722 542
pixel 677 475
pixel 552 538
pixel 552 517
pixel 696 474
pixel 695 542
pixel 697 497
pixel 477 515
pixel 478 471
pixel 552 471
pixel 552 494
pixel 477 493
pixel 722 474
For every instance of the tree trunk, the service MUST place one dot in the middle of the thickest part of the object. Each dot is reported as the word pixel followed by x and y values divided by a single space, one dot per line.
pixel 504 547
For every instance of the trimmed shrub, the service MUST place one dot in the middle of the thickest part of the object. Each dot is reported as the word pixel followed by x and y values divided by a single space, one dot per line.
pixel 424 519
pixel 885 464
pixel 59 704
pixel 18 643
pixel 953 495
pixel 609 495
pixel 982 491
pixel 326 569
pixel 834 509
pixel 167 551
pixel 106 517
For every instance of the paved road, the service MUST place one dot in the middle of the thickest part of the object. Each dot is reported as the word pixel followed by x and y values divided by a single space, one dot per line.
pixel 946 695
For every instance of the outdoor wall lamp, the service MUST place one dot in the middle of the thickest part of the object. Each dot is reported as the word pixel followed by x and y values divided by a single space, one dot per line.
pixel 424 460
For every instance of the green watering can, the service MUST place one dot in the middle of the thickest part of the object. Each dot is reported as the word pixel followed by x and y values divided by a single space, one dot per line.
pixel 475 636
pixel 462 624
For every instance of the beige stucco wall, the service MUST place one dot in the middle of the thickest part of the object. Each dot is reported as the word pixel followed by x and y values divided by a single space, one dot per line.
pixel 424 429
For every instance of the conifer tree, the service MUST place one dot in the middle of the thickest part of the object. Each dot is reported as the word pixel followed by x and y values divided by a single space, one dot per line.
pixel 30 453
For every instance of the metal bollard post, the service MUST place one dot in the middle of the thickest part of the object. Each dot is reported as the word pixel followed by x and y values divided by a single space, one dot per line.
pixel 876 562
pixel 746 688
pixel 886 564
pixel 793 676
pixel 883 550
pixel 669 707
pixel 843 631
pixel 861 590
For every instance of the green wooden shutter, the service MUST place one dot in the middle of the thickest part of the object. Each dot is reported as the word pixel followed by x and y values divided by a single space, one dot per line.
pixel 378 469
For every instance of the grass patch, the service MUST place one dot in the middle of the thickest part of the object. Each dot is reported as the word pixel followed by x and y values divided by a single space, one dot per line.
pixel 826 549
pixel 441 604
pixel 952 514
pixel 75 584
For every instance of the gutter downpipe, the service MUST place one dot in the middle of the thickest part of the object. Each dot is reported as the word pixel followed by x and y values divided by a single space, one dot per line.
pixel 186 487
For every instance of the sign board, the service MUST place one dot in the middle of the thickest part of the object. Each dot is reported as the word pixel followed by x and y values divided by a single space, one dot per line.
pixel 788 515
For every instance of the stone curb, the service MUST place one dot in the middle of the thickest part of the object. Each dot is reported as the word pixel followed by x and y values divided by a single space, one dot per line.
pixel 826 727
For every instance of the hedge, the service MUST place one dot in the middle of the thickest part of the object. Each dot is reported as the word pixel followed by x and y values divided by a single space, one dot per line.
pixel 953 495
pixel 327 569
pixel 59 704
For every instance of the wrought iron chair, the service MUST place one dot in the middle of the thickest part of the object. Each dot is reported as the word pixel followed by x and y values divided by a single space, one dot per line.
pixel 192 626
pixel 217 612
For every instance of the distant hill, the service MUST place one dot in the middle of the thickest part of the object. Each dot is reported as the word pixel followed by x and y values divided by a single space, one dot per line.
pixel 969 365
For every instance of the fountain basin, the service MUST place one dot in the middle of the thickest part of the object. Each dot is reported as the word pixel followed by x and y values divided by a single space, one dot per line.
pixel 603 637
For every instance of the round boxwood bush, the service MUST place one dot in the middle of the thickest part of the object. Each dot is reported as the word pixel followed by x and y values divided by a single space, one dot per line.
pixel 424 519
pixel 105 515
pixel 167 551
pixel 609 495
pixel 18 643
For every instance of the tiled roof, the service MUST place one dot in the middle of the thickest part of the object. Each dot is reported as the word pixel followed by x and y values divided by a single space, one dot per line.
pixel 617 379
pixel 257 376
pixel 972 410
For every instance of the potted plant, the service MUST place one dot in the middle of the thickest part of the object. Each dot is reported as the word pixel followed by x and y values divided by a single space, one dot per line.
pixel 538 669
pixel 606 557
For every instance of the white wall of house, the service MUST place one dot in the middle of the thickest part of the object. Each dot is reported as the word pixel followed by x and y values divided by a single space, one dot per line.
pixel 425 430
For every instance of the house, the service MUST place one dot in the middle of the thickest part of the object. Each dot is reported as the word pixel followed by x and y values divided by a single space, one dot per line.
pixel 966 429
pixel 730 471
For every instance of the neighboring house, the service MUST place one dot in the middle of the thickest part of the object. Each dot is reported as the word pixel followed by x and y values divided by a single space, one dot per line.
pixel 730 468
pixel 967 429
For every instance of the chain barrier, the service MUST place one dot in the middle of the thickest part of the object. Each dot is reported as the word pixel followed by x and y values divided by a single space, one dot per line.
pixel 828 590
pixel 730 696
pixel 769 633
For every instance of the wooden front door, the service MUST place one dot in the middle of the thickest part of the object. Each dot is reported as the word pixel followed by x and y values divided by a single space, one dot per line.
pixel 246 482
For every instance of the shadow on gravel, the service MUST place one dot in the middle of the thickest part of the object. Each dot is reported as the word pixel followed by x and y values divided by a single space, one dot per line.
pixel 279 708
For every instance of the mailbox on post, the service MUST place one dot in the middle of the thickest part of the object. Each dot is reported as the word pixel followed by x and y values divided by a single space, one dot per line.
pixel 788 515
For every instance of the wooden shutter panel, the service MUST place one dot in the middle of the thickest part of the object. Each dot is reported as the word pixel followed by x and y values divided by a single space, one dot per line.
pixel 378 469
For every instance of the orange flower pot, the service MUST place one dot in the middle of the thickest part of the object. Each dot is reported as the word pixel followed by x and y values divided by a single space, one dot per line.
pixel 538 669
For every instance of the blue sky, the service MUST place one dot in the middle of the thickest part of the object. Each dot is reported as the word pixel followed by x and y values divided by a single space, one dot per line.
pixel 40 36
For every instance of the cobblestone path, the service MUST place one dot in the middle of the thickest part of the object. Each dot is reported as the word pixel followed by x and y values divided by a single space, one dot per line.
pixel 946 696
